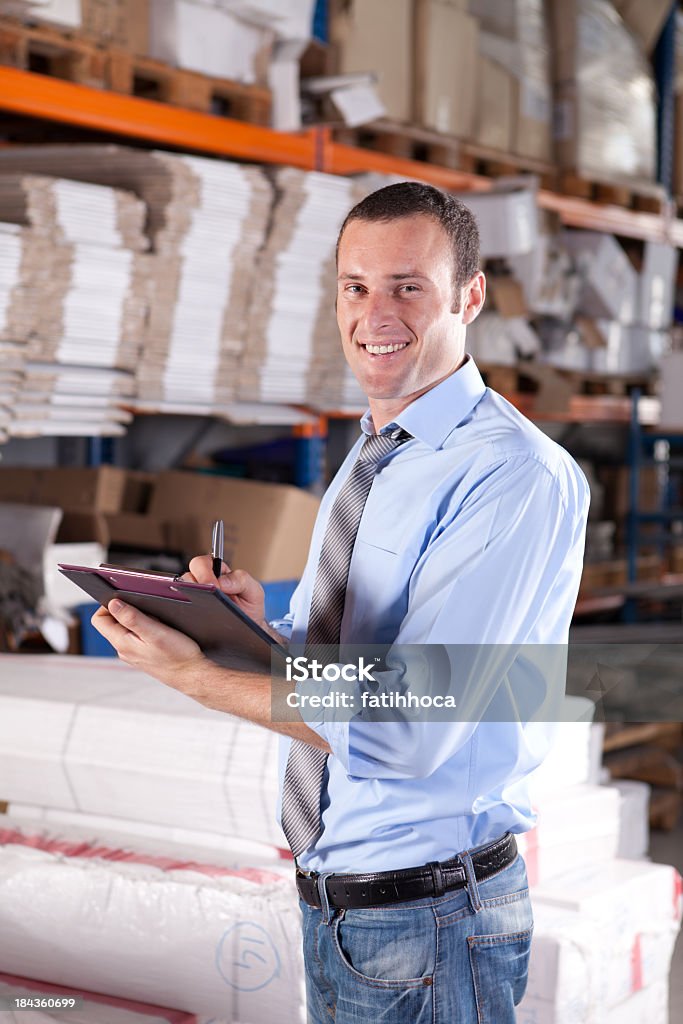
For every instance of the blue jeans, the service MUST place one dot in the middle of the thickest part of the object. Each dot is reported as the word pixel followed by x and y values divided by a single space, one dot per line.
pixel 461 958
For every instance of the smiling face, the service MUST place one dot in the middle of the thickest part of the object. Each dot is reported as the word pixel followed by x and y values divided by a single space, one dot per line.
pixel 401 320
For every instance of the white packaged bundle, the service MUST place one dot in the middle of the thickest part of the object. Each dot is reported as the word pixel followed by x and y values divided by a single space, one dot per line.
pixel 576 825
pixel 205 940
pixel 602 933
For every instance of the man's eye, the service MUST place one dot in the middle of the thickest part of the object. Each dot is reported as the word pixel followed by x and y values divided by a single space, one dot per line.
pixel 354 289
pixel 409 288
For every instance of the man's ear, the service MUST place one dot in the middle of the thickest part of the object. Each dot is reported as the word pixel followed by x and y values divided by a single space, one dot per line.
pixel 473 297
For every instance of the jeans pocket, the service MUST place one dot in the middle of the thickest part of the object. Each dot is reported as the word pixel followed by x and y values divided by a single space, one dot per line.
pixel 499 965
pixel 390 958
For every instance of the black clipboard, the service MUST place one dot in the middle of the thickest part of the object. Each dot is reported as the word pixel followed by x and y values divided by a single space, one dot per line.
pixel 201 611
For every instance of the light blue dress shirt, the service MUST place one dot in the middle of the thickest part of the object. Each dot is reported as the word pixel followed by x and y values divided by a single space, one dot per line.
pixel 472 533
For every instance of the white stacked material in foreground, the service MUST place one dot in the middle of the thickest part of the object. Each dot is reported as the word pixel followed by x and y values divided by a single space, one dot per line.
pixel 634 824
pixel 49 1004
pixel 577 825
pixel 207 220
pixel 569 761
pixel 203 939
pixel 294 352
pixel 603 937
pixel 83 263
pixel 93 736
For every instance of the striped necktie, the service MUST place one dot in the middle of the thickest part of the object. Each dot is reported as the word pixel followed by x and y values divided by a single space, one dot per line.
pixel 306 764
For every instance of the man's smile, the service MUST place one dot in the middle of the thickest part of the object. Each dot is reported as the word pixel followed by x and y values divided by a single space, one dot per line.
pixel 388 348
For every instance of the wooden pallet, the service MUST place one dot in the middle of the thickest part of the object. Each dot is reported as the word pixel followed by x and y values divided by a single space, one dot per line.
pixel 533 378
pixel 642 196
pixel 493 163
pixel 407 142
pixel 152 79
pixel 618 736
pixel 74 58
pixel 412 142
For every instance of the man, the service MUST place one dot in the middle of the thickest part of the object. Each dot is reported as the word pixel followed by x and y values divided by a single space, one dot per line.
pixel 453 521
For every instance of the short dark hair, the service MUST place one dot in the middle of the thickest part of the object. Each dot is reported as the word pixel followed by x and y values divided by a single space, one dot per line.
pixel 410 198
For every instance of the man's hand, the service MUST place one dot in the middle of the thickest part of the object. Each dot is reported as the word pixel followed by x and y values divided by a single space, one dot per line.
pixel 245 591
pixel 148 645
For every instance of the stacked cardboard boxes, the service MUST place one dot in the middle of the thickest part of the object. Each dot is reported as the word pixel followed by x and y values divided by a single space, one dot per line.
pixel 604 93
pixel 267 526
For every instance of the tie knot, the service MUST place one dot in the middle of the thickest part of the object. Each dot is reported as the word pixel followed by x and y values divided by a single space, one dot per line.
pixel 376 446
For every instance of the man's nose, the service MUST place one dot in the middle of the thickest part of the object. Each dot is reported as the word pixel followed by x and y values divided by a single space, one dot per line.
pixel 378 312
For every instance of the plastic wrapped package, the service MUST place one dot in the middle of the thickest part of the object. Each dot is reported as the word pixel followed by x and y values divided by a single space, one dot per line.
pixel 603 937
pixel 203 939
pixel 576 826
pixel 604 94
pixel 514 37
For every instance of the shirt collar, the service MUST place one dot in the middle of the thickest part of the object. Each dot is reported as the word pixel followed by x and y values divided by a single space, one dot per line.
pixel 434 415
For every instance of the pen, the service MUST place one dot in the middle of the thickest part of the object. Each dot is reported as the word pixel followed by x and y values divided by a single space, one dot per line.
pixel 217 538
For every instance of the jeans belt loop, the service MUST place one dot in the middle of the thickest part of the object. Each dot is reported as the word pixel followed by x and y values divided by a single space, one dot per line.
pixel 328 912
pixel 438 881
pixel 472 885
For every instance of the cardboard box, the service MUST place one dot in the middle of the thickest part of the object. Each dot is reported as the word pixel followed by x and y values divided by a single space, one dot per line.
pixel 496 106
pixel 602 934
pixel 446 75
pixel 209 40
pixel 678 146
pixel 376 35
pixel 629 349
pixel 609 280
pixel 97 490
pixel 122 23
pixel 656 294
pixel 671 390
pixel 63 13
pixel 533 129
pixel 616 482
pixel 268 527
pixel 577 825
pixel 508 221
pixel 507 295
pixel 604 97
pixel 645 20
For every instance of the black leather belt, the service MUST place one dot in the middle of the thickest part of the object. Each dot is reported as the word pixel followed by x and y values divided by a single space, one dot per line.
pixel 353 892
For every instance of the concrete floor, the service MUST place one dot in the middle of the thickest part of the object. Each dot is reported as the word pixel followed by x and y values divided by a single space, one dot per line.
pixel 667 848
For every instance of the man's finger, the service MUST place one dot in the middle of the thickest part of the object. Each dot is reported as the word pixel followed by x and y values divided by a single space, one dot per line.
pixel 135 621
pixel 107 626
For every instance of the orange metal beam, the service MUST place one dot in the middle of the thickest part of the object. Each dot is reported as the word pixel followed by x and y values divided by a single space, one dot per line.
pixel 43 96
pixel 24 92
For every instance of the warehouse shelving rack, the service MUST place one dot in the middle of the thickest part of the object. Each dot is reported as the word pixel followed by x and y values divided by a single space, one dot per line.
pixel 662 449
pixel 31 95
pixel 37 96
